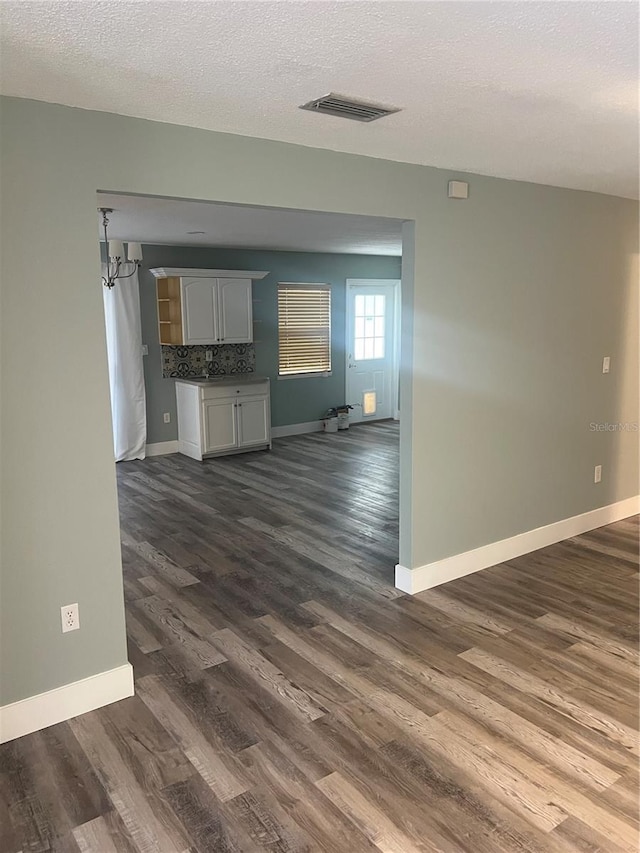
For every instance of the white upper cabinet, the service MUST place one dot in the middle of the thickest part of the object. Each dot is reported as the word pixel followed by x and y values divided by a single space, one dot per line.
pixel 235 306
pixel 199 310
pixel 202 307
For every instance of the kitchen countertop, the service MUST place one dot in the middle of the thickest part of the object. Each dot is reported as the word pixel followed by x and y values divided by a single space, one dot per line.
pixel 231 379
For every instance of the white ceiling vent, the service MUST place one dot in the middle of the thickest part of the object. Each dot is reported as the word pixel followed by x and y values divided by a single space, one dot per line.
pixel 338 105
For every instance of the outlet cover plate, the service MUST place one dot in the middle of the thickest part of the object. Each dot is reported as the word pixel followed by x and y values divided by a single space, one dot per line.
pixel 70 616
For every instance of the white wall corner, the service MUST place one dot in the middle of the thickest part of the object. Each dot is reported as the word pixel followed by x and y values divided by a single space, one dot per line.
pixel 161 448
pixel 55 706
pixel 425 577
pixel 404 579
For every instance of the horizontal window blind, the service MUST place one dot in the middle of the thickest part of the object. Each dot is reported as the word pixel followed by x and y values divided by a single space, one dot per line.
pixel 304 329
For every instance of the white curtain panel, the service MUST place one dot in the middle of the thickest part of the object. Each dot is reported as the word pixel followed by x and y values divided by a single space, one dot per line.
pixel 126 377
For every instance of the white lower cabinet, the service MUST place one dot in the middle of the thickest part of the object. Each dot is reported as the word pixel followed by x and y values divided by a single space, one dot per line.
pixel 223 416
pixel 253 418
pixel 219 425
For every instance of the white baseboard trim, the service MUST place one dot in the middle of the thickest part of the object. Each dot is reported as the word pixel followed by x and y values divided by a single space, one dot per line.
pixel 161 448
pixel 55 706
pixel 443 571
pixel 296 429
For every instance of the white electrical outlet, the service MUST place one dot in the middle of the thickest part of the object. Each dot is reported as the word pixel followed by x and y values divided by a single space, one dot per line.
pixel 208 356
pixel 606 364
pixel 70 615
pixel 167 417
pixel 597 474
pixel 145 349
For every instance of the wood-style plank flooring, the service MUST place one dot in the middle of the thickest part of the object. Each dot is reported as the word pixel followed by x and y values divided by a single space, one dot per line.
pixel 290 699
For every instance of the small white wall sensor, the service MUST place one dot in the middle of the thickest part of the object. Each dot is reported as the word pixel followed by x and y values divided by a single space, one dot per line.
pixel 458 189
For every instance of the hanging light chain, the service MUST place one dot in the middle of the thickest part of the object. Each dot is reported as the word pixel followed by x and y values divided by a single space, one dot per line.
pixel 113 267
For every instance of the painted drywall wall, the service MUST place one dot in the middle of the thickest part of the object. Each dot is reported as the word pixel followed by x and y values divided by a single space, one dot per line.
pixel 292 401
pixel 518 292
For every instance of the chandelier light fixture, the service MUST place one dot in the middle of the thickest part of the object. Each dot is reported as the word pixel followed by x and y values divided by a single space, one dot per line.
pixel 116 261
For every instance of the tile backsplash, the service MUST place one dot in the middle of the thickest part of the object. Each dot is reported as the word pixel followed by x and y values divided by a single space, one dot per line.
pixel 191 361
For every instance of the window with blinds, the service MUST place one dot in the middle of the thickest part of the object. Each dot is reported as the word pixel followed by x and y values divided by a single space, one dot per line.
pixel 304 329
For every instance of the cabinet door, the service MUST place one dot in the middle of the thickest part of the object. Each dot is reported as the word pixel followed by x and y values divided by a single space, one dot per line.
pixel 199 311
pixel 219 425
pixel 236 310
pixel 253 421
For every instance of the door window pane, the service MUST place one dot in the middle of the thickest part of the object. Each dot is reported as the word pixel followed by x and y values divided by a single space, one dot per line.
pixel 369 326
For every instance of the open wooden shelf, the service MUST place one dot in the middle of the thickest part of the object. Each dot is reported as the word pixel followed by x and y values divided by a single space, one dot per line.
pixel 169 310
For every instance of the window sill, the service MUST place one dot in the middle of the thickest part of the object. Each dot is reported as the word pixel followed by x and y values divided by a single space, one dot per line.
pixel 305 375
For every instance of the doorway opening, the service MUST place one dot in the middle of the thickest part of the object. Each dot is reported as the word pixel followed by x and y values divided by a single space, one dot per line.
pixel 373 353
pixel 307 501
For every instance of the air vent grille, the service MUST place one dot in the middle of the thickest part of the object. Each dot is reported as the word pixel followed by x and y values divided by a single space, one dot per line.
pixel 337 105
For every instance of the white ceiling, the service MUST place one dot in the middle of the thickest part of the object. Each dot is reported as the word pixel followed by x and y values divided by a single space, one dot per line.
pixel 159 220
pixel 537 91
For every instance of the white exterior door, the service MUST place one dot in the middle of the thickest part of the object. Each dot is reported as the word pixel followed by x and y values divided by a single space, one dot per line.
pixel 253 421
pixel 219 425
pixel 199 309
pixel 236 310
pixel 371 380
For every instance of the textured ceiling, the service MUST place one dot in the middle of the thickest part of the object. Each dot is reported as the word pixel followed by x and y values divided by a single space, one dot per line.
pixel 158 220
pixel 538 91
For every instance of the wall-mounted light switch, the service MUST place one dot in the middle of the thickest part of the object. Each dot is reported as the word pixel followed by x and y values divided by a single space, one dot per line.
pixel 597 474
pixel 145 349
pixel 167 417
pixel 606 364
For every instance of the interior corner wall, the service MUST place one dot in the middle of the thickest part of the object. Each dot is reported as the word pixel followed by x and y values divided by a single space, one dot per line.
pixel 518 293
pixel 292 401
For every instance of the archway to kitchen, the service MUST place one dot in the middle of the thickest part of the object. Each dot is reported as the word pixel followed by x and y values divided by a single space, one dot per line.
pixel 251 320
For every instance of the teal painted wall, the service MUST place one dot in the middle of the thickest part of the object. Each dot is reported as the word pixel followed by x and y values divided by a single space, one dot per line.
pixel 292 400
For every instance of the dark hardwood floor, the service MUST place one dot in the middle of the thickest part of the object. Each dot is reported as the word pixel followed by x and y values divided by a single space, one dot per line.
pixel 290 699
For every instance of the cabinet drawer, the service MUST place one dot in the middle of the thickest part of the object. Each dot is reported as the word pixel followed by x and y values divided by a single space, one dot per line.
pixel 214 392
